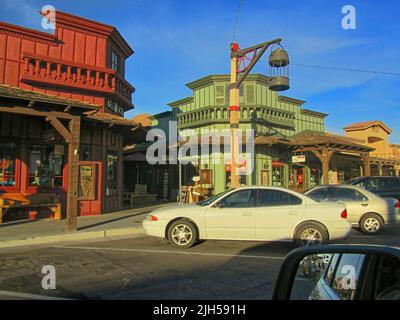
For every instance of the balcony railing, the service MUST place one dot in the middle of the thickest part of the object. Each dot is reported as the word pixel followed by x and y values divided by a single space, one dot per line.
pixel 57 72
pixel 247 114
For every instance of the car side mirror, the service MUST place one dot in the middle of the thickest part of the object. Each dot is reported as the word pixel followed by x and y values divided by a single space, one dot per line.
pixel 342 272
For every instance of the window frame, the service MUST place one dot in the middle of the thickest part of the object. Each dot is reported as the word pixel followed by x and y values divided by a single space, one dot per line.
pixel 237 191
pixel 259 205
pixel 115 190
pixel 64 172
pixel 17 173
pixel 115 53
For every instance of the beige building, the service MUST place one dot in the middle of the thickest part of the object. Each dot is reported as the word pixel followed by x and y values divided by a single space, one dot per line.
pixel 385 158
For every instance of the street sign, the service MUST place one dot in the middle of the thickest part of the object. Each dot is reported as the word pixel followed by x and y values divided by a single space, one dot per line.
pixel 299 159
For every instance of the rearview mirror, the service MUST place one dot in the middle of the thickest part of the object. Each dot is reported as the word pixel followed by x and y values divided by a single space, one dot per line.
pixel 340 272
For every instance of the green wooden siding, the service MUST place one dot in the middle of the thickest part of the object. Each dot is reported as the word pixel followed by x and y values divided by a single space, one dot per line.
pixel 207 111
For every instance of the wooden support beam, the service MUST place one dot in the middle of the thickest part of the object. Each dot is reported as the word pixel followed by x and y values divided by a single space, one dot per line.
pixel 324 156
pixel 73 175
pixel 366 163
pixel 36 113
pixel 57 124
pixel 31 104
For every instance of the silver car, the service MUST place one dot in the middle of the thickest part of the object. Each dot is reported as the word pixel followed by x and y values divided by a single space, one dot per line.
pixel 365 210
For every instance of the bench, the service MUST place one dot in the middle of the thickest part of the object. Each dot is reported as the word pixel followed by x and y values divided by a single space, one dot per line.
pixel 30 201
pixel 140 195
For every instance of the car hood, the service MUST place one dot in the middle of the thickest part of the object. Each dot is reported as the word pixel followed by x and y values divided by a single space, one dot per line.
pixel 176 209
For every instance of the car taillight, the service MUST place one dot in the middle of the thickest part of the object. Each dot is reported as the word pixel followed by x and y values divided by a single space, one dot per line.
pixel 344 214
pixel 397 205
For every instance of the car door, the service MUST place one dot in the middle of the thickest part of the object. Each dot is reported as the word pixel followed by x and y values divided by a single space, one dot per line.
pixel 276 214
pixel 356 203
pixel 233 216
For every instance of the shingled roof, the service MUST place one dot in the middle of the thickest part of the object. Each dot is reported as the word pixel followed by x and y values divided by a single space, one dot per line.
pixel 312 138
pixel 11 92
pixel 366 125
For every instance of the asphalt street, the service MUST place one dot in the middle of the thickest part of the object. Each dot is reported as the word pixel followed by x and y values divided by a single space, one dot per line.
pixel 150 268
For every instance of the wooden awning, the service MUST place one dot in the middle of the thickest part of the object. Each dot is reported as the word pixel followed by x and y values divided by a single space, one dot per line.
pixel 383 161
pixel 14 93
pixel 309 140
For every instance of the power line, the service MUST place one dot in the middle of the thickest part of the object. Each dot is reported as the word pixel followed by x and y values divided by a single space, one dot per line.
pixel 237 20
pixel 347 69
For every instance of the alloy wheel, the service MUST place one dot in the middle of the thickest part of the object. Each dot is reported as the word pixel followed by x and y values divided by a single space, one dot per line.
pixel 181 234
pixel 310 236
pixel 371 225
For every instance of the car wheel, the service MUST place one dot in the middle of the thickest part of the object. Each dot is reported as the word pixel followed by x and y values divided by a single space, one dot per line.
pixel 310 234
pixel 371 223
pixel 182 234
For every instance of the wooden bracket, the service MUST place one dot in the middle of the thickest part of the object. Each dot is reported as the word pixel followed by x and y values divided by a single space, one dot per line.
pixel 57 124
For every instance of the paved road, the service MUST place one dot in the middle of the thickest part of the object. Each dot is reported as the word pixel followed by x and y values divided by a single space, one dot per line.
pixel 148 268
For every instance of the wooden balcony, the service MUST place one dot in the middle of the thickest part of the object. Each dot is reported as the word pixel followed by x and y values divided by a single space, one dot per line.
pixel 212 115
pixel 55 72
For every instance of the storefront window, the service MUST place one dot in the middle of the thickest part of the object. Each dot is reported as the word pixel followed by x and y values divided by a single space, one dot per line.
pixel 46 165
pixel 315 177
pixel 277 173
pixel 111 173
pixel 7 166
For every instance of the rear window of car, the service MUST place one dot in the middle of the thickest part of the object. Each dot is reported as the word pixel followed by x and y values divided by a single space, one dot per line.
pixel 389 183
pixel 370 184
pixel 319 194
pixel 348 194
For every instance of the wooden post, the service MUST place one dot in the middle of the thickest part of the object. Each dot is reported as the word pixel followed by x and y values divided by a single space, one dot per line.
pixel 73 175
pixel 234 121
pixel 324 156
pixel 366 163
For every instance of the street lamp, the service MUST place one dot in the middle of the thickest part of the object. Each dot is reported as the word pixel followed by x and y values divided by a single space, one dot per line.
pixel 242 62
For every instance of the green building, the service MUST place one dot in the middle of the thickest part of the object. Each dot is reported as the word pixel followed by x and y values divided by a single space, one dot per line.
pixel 275 119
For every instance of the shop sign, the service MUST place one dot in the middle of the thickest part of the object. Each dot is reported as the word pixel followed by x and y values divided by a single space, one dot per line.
pixel 299 159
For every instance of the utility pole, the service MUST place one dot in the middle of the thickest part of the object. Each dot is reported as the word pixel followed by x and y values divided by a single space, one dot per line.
pixel 241 65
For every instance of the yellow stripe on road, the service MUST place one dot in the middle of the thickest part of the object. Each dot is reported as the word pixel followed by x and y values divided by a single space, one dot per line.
pixel 245 256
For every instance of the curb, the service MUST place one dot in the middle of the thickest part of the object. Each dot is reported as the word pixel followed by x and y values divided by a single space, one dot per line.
pixel 78 236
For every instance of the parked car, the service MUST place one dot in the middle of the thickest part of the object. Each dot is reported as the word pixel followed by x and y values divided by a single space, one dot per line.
pixel 382 186
pixel 365 210
pixel 250 213
pixel 340 272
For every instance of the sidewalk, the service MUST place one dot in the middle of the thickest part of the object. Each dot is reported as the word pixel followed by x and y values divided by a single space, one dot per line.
pixel 108 225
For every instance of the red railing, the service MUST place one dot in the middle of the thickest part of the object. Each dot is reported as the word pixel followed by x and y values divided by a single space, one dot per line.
pixel 75 75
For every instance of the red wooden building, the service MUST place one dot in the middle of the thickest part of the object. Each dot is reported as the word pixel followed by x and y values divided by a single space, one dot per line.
pixel 62 100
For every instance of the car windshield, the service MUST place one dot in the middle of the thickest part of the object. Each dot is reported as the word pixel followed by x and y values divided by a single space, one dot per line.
pixel 212 199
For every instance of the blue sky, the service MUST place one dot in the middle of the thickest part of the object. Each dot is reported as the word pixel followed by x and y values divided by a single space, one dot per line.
pixel 177 41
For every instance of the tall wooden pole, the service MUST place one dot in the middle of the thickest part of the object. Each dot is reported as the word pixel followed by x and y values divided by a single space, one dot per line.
pixel 73 173
pixel 234 118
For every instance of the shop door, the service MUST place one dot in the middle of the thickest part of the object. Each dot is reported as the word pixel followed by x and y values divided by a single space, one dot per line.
pixel 89 188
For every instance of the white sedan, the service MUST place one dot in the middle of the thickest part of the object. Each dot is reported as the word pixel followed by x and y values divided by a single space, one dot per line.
pixel 365 209
pixel 250 213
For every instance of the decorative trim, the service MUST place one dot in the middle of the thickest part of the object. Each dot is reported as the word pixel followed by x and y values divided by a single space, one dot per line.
pixel 314 113
pixel 28 34
pixel 180 102
pixel 291 100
